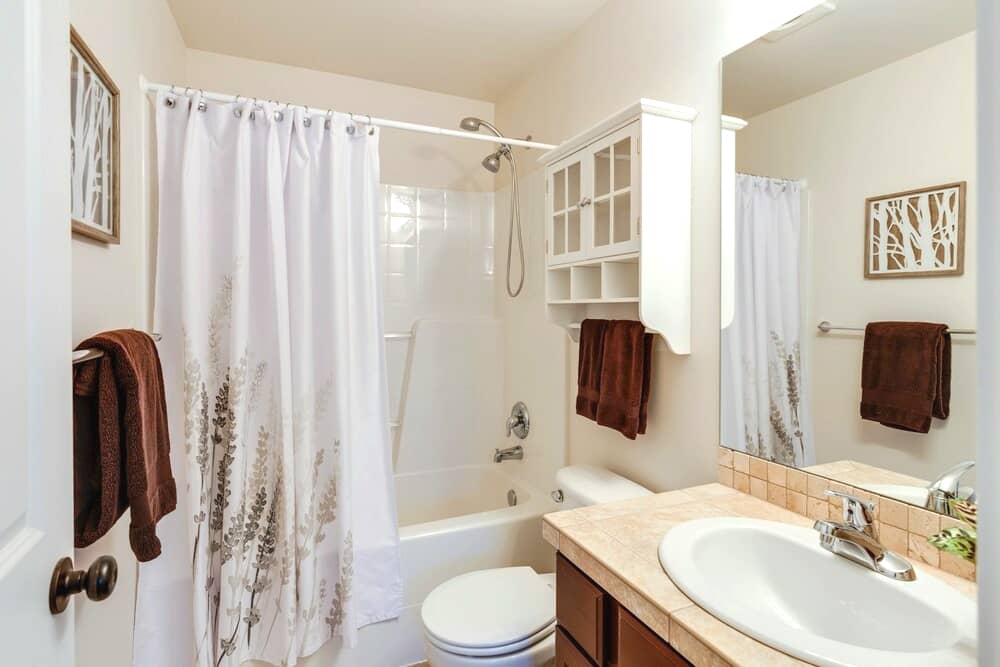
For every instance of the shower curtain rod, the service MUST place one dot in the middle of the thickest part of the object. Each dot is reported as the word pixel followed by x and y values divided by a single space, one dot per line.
pixel 358 118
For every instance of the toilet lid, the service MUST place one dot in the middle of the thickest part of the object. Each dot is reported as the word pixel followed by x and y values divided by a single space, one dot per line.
pixel 489 609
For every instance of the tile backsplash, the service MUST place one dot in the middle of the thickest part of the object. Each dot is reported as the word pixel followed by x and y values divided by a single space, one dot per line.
pixel 902 528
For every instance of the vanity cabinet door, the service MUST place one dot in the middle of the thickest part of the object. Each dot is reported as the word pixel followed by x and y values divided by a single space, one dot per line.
pixel 580 609
pixel 567 654
pixel 638 646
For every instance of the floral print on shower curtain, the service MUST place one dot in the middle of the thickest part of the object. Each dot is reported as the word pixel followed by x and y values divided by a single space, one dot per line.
pixel 764 407
pixel 269 301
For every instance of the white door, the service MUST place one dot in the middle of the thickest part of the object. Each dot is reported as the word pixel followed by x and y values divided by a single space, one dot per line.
pixel 36 484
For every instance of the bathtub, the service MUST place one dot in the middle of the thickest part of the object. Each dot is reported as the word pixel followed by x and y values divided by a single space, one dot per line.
pixel 451 521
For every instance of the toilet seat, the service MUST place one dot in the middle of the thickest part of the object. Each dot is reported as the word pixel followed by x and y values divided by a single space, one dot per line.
pixel 490 612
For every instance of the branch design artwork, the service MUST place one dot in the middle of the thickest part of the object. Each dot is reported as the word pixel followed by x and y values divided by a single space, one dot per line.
pixel 93 145
pixel 916 233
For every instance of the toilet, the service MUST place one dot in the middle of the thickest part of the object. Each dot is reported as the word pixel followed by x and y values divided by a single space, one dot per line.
pixel 506 617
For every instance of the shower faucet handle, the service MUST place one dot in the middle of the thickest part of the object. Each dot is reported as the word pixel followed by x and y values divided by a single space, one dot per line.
pixel 519 423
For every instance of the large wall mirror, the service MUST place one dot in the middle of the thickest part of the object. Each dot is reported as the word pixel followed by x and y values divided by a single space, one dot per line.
pixel 849 294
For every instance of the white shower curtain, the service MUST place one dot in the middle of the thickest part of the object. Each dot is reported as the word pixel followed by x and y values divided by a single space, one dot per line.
pixel 269 302
pixel 764 406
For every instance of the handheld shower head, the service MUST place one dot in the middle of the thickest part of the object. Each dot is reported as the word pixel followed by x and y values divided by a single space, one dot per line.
pixel 473 124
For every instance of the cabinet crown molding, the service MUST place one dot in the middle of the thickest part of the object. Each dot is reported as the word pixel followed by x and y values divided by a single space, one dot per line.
pixel 616 121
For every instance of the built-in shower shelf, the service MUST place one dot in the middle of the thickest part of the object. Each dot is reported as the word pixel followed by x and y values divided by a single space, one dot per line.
pixel 618 223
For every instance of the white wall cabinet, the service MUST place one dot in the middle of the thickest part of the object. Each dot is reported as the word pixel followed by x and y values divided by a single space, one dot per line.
pixel 618 222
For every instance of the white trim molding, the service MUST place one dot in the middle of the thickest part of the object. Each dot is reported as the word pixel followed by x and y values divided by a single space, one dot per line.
pixel 988 449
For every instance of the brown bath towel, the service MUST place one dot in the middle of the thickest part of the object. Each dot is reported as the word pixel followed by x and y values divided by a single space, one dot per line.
pixel 625 376
pixel 121 449
pixel 906 374
pixel 588 374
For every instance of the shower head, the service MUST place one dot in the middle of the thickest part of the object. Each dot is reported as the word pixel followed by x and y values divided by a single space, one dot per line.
pixel 470 124
pixel 473 124
pixel 492 162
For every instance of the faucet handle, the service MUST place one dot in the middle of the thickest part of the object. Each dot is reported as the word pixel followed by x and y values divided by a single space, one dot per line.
pixel 857 512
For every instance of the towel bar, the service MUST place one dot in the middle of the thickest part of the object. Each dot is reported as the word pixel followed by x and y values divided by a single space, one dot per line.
pixel 86 354
pixel 826 327
pixel 577 325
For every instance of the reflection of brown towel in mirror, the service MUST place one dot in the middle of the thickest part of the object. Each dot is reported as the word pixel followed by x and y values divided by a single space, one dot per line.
pixel 121 447
pixel 589 367
pixel 625 377
pixel 906 374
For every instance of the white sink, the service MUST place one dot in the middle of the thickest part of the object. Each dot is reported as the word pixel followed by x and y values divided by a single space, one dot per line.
pixel 914 495
pixel 775 583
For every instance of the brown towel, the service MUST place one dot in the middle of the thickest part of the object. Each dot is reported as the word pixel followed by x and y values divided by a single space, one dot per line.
pixel 906 374
pixel 625 375
pixel 121 449
pixel 588 374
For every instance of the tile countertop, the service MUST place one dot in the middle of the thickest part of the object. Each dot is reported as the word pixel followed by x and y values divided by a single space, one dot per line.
pixel 616 545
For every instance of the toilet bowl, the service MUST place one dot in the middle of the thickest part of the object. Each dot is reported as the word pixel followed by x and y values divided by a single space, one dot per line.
pixel 506 617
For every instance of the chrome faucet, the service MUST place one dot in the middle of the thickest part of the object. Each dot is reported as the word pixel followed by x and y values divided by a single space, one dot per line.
pixel 856 540
pixel 516 453
pixel 946 488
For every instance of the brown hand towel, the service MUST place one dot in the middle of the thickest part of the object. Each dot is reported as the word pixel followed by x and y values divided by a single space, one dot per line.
pixel 906 374
pixel 121 448
pixel 625 376
pixel 588 374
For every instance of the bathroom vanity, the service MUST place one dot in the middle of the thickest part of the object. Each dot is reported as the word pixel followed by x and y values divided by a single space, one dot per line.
pixel 595 629
pixel 616 605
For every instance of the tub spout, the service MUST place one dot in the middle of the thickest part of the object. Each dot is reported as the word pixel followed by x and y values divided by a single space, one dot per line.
pixel 516 453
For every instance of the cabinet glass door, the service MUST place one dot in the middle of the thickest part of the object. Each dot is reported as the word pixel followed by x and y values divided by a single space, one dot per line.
pixel 615 175
pixel 567 209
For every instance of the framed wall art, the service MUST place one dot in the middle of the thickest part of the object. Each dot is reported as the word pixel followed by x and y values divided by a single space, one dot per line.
pixel 916 233
pixel 94 151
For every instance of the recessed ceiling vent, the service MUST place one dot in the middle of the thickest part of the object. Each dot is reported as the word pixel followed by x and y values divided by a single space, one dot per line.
pixel 801 21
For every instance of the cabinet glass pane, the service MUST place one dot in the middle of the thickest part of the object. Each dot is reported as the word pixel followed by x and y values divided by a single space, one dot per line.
pixel 573 230
pixel 602 222
pixel 623 217
pixel 559 234
pixel 559 190
pixel 602 172
pixel 573 179
pixel 623 163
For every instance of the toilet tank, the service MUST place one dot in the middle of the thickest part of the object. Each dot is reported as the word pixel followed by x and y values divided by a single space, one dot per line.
pixel 584 485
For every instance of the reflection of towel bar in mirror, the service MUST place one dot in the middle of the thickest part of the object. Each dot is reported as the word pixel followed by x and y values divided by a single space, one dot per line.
pixel 86 354
pixel 826 327
pixel 577 325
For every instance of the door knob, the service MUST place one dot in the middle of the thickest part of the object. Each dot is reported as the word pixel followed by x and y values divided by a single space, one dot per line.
pixel 98 581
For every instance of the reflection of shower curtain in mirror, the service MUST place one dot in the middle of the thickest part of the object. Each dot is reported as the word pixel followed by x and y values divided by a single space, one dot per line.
pixel 764 406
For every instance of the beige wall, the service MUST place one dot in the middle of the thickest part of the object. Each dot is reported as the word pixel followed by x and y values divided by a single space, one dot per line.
pixel 910 124
pixel 407 158
pixel 662 49
pixel 111 282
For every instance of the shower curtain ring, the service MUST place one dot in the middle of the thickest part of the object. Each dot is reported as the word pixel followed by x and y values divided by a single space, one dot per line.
pixel 329 118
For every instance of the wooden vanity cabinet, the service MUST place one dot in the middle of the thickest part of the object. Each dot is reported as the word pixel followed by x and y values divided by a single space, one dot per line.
pixel 594 630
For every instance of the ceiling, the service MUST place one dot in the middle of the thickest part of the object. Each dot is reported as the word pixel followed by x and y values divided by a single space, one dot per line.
pixel 860 36
pixel 470 48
